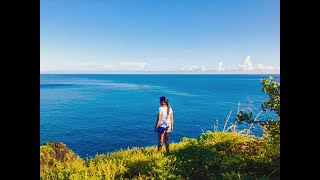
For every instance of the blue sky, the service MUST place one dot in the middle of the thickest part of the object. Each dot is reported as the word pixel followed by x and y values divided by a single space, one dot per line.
pixel 160 36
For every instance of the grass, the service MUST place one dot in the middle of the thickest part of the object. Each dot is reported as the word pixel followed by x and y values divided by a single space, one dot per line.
pixel 213 155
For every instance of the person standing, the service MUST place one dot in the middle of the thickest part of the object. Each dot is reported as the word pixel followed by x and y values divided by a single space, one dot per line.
pixel 164 124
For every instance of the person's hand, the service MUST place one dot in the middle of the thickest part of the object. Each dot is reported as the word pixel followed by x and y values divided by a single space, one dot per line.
pixel 155 128
pixel 171 128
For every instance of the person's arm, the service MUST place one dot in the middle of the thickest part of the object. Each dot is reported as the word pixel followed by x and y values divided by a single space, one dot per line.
pixel 158 121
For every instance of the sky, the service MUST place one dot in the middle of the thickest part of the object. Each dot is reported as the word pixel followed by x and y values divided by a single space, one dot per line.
pixel 160 36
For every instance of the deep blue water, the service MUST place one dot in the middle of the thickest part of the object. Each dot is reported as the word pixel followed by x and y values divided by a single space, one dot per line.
pixel 102 113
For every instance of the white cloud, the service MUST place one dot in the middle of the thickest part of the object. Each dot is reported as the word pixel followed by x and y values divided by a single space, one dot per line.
pixel 247 66
pixel 263 67
pixel 220 66
pixel 193 68
pixel 203 68
pixel 140 66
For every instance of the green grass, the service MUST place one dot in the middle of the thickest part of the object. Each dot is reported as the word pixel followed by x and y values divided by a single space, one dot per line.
pixel 213 155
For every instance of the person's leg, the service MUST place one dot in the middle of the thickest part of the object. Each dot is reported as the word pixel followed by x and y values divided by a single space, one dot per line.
pixel 166 140
pixel 160 137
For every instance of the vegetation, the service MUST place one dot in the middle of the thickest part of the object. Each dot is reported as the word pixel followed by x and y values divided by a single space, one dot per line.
pixel 271 127
pixel 213 155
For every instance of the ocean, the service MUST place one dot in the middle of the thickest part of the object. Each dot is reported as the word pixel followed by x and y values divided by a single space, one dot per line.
pixel 94 114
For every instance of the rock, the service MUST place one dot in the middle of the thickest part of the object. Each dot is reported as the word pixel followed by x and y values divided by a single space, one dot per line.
pixel 52 152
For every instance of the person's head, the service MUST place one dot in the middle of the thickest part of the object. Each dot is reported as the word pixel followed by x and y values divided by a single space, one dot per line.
pixel 165 101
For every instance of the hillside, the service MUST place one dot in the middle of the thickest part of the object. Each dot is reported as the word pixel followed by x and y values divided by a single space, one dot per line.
pixel 213 155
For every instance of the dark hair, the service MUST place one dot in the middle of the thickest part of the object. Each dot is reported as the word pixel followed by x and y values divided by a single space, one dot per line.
pixel 166 100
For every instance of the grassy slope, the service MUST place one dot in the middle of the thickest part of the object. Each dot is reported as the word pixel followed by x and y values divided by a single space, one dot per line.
pixel 213 155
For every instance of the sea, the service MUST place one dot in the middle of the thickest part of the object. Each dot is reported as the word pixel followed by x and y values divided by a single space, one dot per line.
pixel 101 113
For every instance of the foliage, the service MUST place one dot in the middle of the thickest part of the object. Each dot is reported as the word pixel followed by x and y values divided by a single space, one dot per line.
pixel 271 127
pixel 272 131
pixel 272 88
pixel 213 155
pixel 220 155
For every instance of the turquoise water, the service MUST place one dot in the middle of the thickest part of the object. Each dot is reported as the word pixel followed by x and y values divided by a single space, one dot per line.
pixel 102 113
